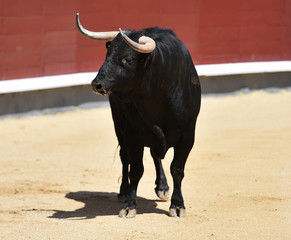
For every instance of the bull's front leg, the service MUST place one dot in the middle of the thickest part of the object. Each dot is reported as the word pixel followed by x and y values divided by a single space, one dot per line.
pixel 124 183
pixel 135 155
pixel 181 152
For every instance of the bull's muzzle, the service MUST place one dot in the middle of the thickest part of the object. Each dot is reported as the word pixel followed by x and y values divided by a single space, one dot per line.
pixel 99 88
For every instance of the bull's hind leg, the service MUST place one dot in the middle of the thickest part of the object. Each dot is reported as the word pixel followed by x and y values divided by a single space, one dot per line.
pixel 181 152
pixel 162 188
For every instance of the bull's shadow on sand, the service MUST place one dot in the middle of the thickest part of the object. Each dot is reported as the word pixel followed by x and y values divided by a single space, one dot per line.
pixel 102 204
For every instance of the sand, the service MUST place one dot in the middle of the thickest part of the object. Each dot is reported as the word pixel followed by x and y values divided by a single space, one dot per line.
pixel 59 175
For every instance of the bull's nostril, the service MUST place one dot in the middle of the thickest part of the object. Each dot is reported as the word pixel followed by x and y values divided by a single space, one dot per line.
pixel 98 86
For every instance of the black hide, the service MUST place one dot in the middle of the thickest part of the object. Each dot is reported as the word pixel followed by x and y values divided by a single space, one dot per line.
pixel 155 101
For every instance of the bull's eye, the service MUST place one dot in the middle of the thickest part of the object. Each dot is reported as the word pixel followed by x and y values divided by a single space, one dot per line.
pixel 124 62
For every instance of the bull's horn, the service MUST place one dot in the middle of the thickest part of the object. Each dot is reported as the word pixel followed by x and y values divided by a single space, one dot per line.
pixel 102 36
pixel 144 45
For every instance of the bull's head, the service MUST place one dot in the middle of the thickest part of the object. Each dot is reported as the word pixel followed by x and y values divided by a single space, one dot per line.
pixel 123 63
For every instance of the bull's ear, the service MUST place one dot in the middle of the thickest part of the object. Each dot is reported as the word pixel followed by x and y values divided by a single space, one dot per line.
pixel 108 44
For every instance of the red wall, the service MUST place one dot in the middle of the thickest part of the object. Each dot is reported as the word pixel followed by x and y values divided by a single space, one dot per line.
pixel 38 37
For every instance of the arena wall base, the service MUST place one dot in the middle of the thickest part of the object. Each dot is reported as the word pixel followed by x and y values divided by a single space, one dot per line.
pixel 20 102
pixel 230 83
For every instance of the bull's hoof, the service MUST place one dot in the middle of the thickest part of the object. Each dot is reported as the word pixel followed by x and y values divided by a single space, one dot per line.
pixel 163 194
pixel 177 212
pixel 121 198
pixel 127 213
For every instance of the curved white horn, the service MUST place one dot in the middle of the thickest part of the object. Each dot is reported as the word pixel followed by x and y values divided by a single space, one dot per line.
pixel 102 36
pixel 144 45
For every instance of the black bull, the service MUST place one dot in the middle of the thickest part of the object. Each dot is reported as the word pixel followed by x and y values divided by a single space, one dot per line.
pixel 155 100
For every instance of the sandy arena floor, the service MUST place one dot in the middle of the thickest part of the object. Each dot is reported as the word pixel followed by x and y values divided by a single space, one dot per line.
pixel 59 176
